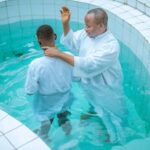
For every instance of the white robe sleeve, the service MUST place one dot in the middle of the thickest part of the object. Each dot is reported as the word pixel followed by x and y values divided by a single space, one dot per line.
pixel 31 84
pixel 72 40
pixel 96 63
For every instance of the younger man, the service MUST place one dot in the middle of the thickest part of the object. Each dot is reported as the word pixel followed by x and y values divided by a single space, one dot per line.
pixel 49 79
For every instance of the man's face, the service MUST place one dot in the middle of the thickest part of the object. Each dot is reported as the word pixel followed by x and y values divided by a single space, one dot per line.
pixel 91 28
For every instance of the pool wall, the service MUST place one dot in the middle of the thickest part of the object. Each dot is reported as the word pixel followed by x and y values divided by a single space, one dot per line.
pixel 130 26
pixel 128 20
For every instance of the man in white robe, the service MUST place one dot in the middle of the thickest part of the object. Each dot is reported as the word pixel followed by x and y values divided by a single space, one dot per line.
pixel 96 63
pixel 49 79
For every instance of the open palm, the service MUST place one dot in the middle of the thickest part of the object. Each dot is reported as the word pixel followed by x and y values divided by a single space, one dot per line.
pixel 65 15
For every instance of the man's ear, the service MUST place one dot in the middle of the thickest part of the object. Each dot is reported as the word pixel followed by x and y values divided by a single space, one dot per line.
pixel 40 43
pixel 55 35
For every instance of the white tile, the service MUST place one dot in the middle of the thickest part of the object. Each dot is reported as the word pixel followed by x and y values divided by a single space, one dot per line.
pixel 127 8
pixel 60 3
pixel 132 3
pixel 20 136
pixel 37 144
pixel 133 39
pixel 35 2
pixel 144 18
pixel 141 6
pixel 13 19
pixel 11 3
pixel 109 6
pixel 125 16
pixel 141 26
pixel 4 144
pixel 111 22
pixel 1 134
pixel 13 11
pixel 49 10
pixel 121 1
pixel 118 10
pixel 2 4
pixel 140 46
pixel 83 12
pixel 26 18
pixel 88 1
pixel 136 12
pixel 47 2
pixel 37 10
pixel 2 0
pixel 147 10
pixel 117 4
pixel 24 2
pixel 73 4
pixel 24 10
pixel 126 33
pixel 8 124
pixel 2 114
pixel 146 54
pixel 98 2
pixel 3 13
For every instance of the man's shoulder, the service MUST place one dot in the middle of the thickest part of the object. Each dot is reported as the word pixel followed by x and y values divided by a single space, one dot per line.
pixel 81 33
pixel 36 61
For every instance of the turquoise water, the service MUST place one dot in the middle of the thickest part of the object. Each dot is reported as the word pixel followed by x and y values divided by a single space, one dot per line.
pixel 18 47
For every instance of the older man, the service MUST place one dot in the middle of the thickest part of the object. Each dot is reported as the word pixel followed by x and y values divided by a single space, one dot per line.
pixel 96 63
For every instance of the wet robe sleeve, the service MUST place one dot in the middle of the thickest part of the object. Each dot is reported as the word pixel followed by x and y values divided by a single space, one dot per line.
pixel 95 63
pixel 72 41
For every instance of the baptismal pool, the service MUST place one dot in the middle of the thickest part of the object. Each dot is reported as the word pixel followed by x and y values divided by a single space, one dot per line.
pixel 18 47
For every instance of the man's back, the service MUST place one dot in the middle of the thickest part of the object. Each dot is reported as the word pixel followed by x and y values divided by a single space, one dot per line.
pixel 49 79
pixel 49 76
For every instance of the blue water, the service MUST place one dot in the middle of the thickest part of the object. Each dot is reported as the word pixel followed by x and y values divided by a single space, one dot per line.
pixel 18 47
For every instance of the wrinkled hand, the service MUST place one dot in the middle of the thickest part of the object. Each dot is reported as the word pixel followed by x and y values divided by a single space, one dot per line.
pixel 51 51
pixel 65 15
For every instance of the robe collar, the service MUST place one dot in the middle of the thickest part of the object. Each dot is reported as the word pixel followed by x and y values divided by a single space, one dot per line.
pixel 101 35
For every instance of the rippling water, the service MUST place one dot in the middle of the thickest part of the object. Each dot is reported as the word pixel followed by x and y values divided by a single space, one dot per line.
pixel 89 134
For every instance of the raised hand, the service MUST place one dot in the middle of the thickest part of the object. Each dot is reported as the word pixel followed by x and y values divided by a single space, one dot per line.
pixel 65 15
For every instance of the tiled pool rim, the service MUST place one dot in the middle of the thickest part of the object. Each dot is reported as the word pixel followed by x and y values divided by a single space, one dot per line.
pixel 14 135
pixel 133 24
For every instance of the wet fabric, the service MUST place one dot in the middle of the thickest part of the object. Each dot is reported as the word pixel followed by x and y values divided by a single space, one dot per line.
pixel 97 64
pixel 49 79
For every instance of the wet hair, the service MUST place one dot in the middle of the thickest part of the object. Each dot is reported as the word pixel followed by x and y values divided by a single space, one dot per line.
pixel 100 15
pixel 45 32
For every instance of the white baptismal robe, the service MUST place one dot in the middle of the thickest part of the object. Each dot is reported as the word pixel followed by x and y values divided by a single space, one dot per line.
pixel 50 80
pixel 96 63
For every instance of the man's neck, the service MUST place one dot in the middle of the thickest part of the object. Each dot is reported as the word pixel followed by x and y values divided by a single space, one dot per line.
pixel 48 44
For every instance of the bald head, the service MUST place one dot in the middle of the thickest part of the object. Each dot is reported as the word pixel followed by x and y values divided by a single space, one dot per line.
pixel 100 16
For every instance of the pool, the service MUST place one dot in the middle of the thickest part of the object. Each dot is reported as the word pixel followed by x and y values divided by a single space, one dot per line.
pixel 15 55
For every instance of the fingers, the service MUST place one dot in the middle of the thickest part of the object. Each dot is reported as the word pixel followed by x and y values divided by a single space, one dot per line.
pixel 45 47
pixel 64 9
pixel 48 48
pixel 46 53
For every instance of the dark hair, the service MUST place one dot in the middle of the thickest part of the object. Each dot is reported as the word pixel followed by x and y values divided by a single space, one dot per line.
pixel 100 15
pixel 45 32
